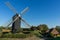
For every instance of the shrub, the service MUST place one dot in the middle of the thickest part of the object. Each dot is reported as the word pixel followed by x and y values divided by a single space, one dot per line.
pixel 58 35
pixel 51 35
pixel 0 34
pixel 19 35
pixel 16 35
pixel 7 35
pixel 36 32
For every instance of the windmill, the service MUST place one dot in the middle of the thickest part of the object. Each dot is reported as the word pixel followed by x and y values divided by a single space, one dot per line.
pixel 17 18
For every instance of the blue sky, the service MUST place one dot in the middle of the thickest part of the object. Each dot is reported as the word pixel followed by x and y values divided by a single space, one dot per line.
pixel 40 11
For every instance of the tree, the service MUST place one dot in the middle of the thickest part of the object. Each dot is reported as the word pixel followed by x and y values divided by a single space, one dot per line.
pixel 1 27
pixel 58 28
pixel 42 27
pixel 33 28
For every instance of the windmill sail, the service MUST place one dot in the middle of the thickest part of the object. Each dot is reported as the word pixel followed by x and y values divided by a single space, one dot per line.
pixel 26 9
pixel 11 7
pixel 12 22
pixel 25 22
pixel 6 23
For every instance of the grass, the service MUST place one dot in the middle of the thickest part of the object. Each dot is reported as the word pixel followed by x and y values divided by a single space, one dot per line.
pixel 29 38
pixel 9 39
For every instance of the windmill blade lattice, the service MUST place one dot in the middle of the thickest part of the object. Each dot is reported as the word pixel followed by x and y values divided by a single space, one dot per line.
pixel 11 7
pixel 25 22
pixel 22 12
pixel 12 21
pixel 6 23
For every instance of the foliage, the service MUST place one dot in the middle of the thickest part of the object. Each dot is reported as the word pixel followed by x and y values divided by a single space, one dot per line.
pixel 16 35
pixel 58 28
pixel 33 28
pixel 42 27
pixel 58 35
pixel 52 35
pixel 0 34
pixel 36 33
pixel 10 35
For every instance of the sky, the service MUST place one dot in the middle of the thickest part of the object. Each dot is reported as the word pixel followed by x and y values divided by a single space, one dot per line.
pixel 40 11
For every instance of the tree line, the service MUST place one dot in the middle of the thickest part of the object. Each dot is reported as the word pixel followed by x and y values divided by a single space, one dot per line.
pixel 41 27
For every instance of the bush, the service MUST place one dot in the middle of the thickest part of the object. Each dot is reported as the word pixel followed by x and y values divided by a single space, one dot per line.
pixel 19 36
pixel 51 35
pixel 36 33
pixel 58 35
pixel 0 34
pixel 7 35
pixel 16 35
